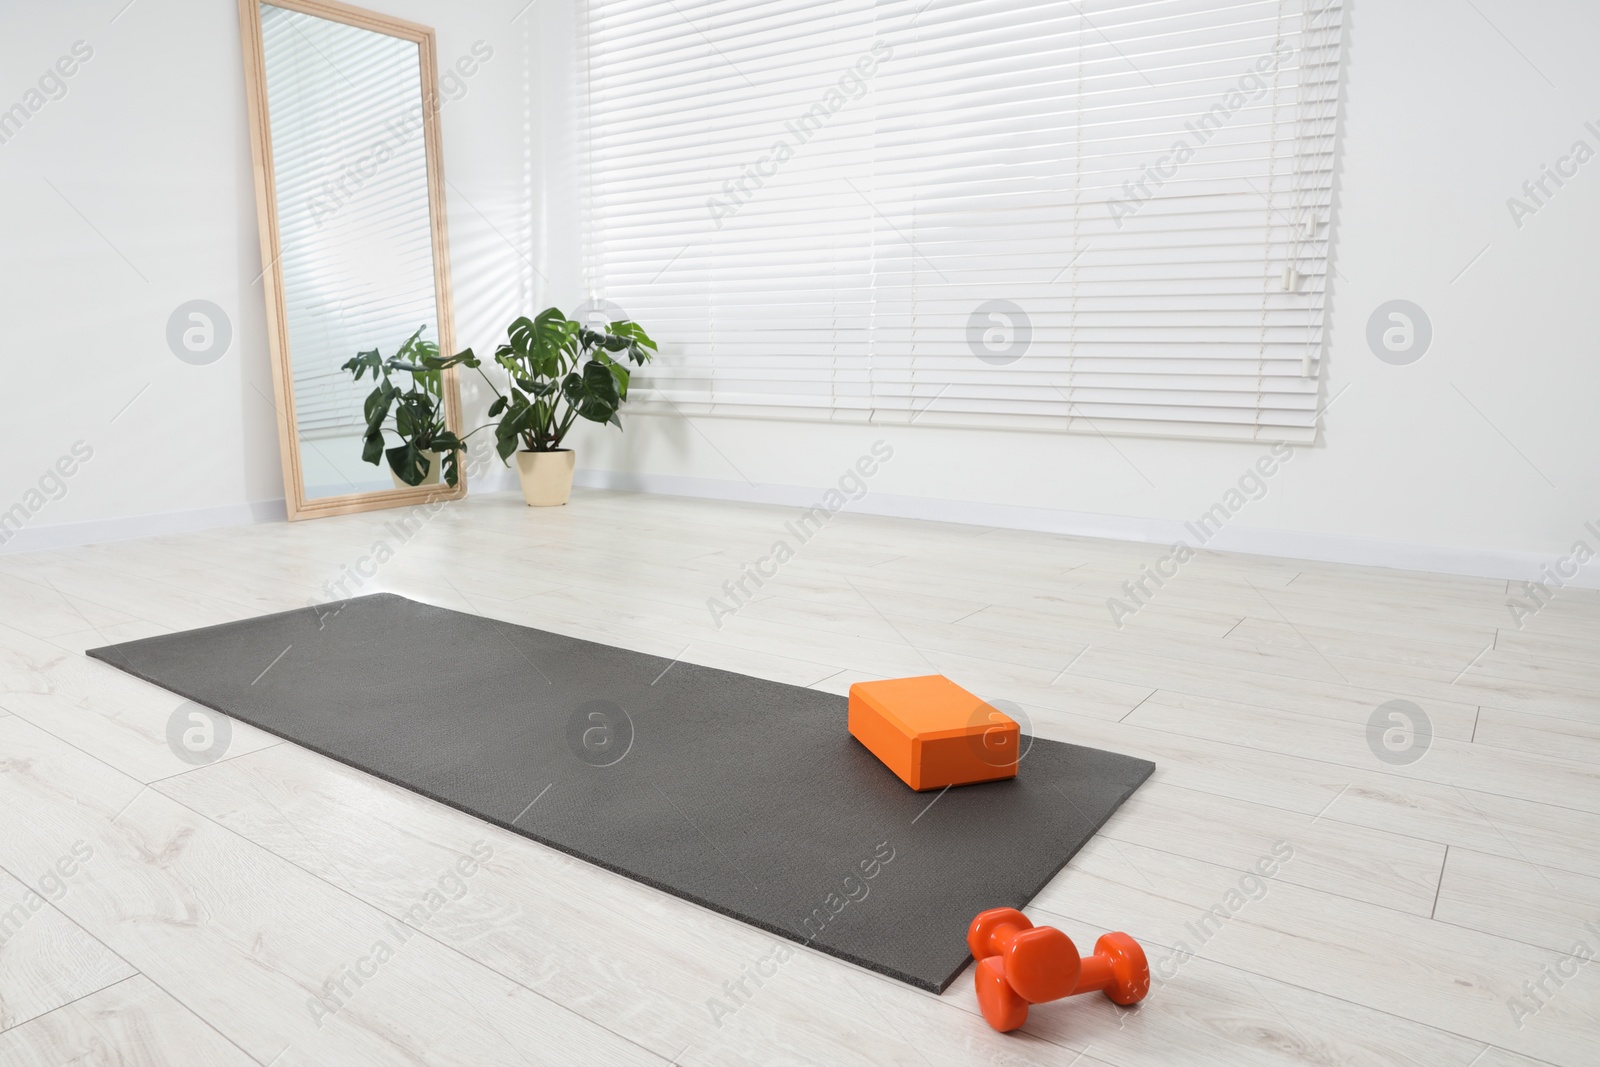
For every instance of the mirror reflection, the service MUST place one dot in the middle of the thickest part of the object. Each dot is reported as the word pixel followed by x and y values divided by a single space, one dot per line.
pixel 356 246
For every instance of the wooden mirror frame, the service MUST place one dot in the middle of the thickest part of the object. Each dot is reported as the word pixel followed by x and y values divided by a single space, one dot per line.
pixel 299 507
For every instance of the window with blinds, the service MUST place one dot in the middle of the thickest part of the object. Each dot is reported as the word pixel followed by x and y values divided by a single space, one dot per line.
pixel 1098 217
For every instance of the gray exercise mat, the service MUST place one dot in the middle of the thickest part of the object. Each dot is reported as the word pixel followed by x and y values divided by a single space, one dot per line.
pixel 746 796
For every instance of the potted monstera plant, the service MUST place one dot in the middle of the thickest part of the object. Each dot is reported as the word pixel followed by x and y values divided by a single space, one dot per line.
pixel 427 447
pixel 561 371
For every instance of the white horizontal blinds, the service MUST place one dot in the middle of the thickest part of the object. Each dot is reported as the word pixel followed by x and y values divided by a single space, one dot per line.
pixel 1038 163
pixel 1002 230
pixel 720 210
pixel 345 109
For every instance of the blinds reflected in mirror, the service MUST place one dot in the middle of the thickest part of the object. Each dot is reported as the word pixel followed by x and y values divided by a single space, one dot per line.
pixel 350 163
pixel 1093 217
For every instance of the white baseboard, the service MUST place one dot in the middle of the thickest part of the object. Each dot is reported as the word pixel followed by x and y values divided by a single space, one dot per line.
pixel 1288 544
pixel 40 537
pixel 37 538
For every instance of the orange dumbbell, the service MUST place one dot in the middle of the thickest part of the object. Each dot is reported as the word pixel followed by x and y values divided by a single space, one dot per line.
pixel 1021 964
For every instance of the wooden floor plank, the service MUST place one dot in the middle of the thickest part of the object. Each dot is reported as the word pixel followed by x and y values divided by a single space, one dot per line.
pixel 130 1024
pixel 1527 731
pixel 46 960
pixel 1443 760
pixel 1555 909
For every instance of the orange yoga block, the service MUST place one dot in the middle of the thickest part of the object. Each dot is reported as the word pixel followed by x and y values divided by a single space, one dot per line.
pixel 933 733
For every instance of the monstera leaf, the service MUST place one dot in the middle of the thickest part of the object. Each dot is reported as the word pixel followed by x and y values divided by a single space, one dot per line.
pixel 559 371
pixel 415 414
pixel 408 463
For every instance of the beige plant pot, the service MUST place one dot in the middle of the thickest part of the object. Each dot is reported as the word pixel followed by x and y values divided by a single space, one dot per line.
pixel 546 477
pixel 435 469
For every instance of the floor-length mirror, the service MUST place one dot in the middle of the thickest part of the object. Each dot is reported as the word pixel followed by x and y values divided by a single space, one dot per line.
pixel 345 133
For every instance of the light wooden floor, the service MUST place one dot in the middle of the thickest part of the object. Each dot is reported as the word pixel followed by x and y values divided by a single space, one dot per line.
pixel 208 905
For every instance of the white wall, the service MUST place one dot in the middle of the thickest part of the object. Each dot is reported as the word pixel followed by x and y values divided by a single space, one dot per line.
pixel 1443 121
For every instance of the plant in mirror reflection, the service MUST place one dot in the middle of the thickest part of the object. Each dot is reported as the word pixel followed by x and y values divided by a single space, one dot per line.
pixel 415 415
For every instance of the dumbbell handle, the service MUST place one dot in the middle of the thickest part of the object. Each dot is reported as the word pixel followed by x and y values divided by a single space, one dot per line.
pixel 1094 972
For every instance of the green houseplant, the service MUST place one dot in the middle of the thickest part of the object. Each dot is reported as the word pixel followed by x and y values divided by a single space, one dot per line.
pixel 560 371
pixel 414 415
